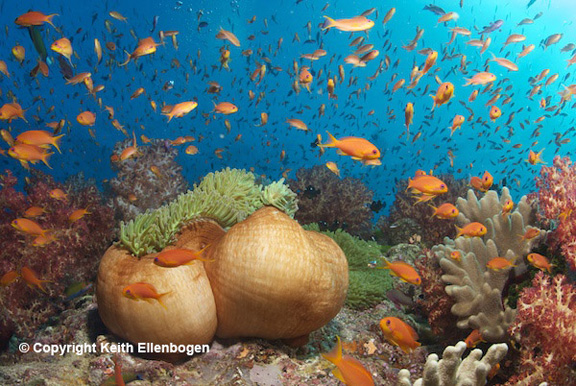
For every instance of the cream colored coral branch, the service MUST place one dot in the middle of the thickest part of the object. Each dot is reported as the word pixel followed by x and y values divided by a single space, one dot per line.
pixel 477 289
pixel 452 370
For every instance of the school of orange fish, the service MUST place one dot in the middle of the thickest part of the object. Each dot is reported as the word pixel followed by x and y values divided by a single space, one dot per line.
pixel 325 86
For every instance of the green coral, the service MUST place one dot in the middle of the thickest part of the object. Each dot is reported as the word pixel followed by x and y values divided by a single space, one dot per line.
pixel 227 196
pixel 367 286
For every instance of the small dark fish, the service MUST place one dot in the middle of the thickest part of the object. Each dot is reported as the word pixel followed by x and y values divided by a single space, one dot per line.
pixel 154 22
pixel 530 3
pixel 568 47
pixel 538 15
pixel 399 298
pixel 434 9
pixel 65 68
pixel 492 27
pixel 376 206
pixel 311 192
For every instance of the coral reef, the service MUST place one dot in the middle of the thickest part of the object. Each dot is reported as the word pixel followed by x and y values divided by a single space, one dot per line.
pixel 227 196
pixel 332 202
pixel 556 201
pixel 436 303
pixel 71 257
pixel 477 289
pixel 405 217
pixel 367 286
pixel 545 327
pixel 147 181
pixel 452 370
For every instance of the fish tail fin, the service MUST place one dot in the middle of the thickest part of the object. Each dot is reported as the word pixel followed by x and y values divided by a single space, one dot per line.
pixel 45 159
pixel 434 99
pixel 458 230
pixel 332 142
pixel 160 299
pixel 335 356
pixel 49 19
pixel 127 59
pixel 328 23
pixel 56 143
pixel 433 207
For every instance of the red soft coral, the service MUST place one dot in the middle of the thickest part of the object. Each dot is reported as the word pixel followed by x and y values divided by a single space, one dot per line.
pixel 545 327
pixel 72 257
pixel 557 204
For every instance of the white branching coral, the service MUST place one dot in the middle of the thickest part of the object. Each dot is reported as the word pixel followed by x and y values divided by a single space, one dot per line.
pixel 452 370
pixel 477 289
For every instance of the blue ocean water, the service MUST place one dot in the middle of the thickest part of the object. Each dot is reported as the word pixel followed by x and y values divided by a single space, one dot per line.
pixel 499 147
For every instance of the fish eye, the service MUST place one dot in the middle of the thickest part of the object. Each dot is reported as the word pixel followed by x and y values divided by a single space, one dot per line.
pixel 374 151
pixel 442 186
pixel 453 210
pixel 388 322
pixel 127 291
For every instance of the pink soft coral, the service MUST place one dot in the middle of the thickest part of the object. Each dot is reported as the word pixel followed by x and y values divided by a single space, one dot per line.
pixel 545 327
pixel 557 204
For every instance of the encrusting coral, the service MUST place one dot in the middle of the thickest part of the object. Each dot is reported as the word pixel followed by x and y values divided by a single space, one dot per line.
pixel 477 289
pixel 452 370
pixel 333 202
pixel 268 277
pixel 147 181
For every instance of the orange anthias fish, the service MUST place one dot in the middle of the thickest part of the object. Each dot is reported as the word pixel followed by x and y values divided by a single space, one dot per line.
pixel 10 111
pixel 400 334
pixel 408 116
pixel 63 46
pixel 305 78
pixel 32 280
pixel 404 271
pixel 445 211
pixel 535 158
pixel 180 109
pixel 473 339
pixel 473 229
pixel 540 262
pixel 28 226
pixel 58 194
pixel 29 153
pixel 178 257
pixel 349 370
pixel 86 118
pixel 34 18
pixel 227 35
pixel 145 46
pixel 487 180
pixel 428 186
pixel 355 24
pixel 443 94
pixel 476 183
pixel 78 214
pixel 9 278
pixel 359 149
pixel 39 138
pixel 507 207
pixel 297 123
pixel 495 113
pixel 457 123
pixel 499 263
pixel 530 234
pixel 143 291
pixel 225 108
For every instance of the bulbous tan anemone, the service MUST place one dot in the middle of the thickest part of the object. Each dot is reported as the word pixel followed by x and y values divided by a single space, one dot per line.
pixel 269 278
pixel 190 313
pixel 272 279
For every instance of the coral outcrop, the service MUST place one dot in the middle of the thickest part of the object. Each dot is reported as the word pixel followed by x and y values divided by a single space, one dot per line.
pixel 452 370
pixel 407 219
pixel 69 256
pixel 268 277
pixel 147 181
pixel 556 201
pixel 477 289
pixel 545 328
pixel 332 202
